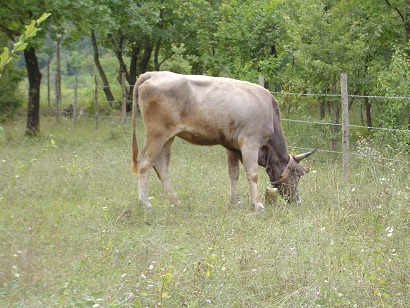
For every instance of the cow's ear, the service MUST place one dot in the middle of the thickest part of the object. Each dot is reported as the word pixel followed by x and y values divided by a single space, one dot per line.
pixel 300 170
pixel 263 156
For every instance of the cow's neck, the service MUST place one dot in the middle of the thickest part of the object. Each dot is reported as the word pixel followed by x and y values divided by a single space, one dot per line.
pixel 278 154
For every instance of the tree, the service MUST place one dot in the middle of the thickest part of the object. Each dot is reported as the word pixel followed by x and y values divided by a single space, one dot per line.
pixel 394 113
pixel 125 28
pixel 8 25
pixel 31 30
pixel 402 8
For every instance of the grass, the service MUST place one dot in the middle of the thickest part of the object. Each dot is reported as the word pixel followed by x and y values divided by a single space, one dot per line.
pixel 72 234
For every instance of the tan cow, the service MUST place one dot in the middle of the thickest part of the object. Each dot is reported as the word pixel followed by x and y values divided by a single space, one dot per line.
pixel 241 116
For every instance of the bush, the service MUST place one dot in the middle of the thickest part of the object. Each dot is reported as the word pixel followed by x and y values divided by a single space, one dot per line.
pixel 9 100
pixel 393 113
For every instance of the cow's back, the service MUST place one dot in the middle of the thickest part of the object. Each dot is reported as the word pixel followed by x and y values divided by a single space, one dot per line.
pixel 205 110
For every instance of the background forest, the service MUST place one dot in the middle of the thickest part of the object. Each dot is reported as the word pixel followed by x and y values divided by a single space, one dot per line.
pixel 71 231
pixel 299 46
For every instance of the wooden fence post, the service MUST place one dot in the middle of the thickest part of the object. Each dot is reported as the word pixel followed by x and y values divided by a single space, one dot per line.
pixel 123 101
pixel 58 78
pixel 262 81
pixel 75 97
pixel 345 124
pixel 96 101
pixel 48 82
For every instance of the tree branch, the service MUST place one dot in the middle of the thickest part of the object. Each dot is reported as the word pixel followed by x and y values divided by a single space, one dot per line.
pixel 396 9
pixel 10 33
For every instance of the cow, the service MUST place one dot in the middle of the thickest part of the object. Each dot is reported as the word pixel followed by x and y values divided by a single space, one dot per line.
pixel 242 117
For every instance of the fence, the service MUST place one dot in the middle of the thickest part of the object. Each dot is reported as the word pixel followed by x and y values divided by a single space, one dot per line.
pixel 346 153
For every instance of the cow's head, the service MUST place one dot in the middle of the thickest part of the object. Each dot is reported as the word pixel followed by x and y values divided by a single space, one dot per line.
pixel 282 175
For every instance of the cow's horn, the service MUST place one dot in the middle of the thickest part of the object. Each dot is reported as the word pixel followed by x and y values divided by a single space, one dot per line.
pixel 299 157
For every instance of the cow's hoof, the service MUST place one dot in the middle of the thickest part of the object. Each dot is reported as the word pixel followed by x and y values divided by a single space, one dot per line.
pixel 145 205
pixel 259 207
pixel 236 202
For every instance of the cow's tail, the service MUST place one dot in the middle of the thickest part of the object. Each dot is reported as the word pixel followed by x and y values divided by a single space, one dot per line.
pixel 134 148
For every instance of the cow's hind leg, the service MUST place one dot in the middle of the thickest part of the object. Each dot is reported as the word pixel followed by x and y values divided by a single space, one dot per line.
pixel 250 163
pixel 146 160
pixel 161 167
pixel 233 172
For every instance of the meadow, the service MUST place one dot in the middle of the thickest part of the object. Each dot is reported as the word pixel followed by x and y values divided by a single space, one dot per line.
pixel 73 235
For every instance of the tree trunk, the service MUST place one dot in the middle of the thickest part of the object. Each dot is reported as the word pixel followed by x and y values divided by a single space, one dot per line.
pixel 146 56
pixel 106 89
pixel 321 108
pixel 334 111
pixel 368 114
pixel 132 76
pixel 34 79
pixel 157 64
pixel 58 78
pixel 404 15
pixel 118 53
pixel 137 67
pixel 158 42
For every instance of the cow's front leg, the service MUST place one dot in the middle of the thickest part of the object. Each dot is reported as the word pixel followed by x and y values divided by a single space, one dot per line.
pixel 233 172
pixel 250 163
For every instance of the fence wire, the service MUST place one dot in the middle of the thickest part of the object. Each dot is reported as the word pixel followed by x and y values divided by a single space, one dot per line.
pixel 339 95
pixel 381 158
pixel 405 131
pixel 394 160
pixel 350 125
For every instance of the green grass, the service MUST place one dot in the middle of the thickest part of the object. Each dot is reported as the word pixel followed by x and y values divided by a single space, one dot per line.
pixel 72 234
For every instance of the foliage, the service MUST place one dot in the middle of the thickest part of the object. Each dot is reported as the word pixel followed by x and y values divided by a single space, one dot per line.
pixel 10 99
pixel 177 62
pixel 31 30
pixel 395 112
pixel 299 46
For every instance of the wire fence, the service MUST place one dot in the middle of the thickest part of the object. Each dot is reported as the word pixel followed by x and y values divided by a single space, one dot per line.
pixel 378 157
pixel 93 101
pixel 349 95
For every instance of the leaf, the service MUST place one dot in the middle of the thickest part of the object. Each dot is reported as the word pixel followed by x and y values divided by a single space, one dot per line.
pixel 30 29
pixel 43 17
pixel 167 278
pixel 212 257
pixel 4 57
pixel 21 47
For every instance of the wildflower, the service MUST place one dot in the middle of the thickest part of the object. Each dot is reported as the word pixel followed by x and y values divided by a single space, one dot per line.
pixel 389 231
pixel 208 301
